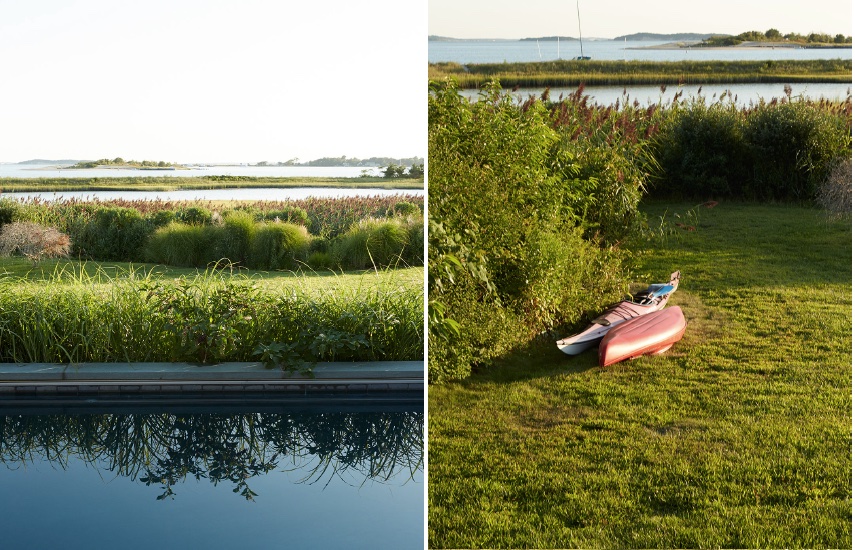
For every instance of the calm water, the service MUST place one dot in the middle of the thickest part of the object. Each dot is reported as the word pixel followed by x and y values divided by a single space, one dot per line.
pixel 741 94
pixel 255 194
pixel 498 51
pixel 165 478
pixel 12 170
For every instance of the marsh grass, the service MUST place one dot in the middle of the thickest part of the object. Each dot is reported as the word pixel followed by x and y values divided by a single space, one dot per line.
pixel 605 73
pixel 740 436
pixel 93 314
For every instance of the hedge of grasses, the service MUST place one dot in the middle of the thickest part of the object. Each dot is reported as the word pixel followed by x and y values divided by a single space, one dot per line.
pixel 76 316
pixel 609 73
pixel 259 235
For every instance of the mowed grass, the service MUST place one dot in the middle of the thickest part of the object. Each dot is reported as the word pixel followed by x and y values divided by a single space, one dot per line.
pixel 65 271
pixel 739 436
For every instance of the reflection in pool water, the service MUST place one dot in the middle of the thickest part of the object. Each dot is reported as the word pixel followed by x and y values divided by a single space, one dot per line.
pixel 214 479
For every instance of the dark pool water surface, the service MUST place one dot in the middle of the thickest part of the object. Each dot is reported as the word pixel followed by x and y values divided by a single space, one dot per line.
pixel 178 477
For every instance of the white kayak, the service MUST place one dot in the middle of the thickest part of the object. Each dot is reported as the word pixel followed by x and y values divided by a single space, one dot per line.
pixel 651 299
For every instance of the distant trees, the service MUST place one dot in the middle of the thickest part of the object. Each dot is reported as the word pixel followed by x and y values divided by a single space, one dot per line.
pixel 400 171
pixel 774 35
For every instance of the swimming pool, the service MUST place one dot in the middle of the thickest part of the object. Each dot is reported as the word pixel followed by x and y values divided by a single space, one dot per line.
pixel 247 473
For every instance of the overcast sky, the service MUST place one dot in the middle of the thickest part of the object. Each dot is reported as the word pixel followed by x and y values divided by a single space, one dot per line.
pixel 611 18
pixel 212 80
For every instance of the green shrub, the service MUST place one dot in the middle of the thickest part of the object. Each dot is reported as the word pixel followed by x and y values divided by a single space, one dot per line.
pixel 511 204
pixel 114 233
pixel 405 208
pixel 793 145
pixel 163 217
pixel 320 261
pixel 194 215
pixel 415 249
pixel 279 246
pixel 290 214
pixel 702 152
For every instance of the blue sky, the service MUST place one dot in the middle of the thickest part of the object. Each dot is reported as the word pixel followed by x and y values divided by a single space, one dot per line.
pixel 212 80
pixel 611 18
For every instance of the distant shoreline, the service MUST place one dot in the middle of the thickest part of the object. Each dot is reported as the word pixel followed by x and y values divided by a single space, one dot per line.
pixel 744 46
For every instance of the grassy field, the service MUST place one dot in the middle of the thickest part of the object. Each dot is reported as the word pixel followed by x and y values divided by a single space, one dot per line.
pixel 592 73
pixel 46 271
pixel 65 312
pixel 739 436
pixel 165 183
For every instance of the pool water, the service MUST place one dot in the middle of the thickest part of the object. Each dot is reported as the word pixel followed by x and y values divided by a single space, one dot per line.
pixel 167 477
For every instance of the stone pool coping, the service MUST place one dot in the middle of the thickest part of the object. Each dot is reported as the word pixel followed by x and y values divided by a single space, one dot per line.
pixel 173 378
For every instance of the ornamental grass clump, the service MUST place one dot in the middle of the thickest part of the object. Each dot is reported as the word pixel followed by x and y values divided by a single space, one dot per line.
pixel 371 243
pixel 278 245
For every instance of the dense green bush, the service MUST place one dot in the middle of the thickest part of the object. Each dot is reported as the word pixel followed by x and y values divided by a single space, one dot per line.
pixel 194 215
pixel 702 151
pixel 236 237
pixel 290 214
pixel 510 242
pixel 115 233
pixel 778 150
pixel 793 145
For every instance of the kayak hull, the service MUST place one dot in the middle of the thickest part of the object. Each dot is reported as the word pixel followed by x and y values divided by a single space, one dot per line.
pixel 613 317
pixel 654 298
pixel 647 335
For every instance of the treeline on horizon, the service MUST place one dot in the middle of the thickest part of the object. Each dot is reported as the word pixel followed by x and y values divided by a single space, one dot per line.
pixel 724 39
pixel 774 35
pixel 324 161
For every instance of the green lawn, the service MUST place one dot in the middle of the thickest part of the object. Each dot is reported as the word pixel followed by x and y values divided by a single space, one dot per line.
pixel 739 436
pixel 307 280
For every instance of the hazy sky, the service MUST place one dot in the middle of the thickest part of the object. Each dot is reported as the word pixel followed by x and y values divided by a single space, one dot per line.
pixel 611 18
pixel 212 80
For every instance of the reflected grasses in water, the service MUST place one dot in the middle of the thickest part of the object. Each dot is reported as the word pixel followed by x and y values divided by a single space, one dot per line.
pixel 165 449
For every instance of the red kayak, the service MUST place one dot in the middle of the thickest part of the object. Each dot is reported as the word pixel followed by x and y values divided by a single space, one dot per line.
pixel 649 334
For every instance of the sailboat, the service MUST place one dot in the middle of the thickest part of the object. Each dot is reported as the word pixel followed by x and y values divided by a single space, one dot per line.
pixel 582 56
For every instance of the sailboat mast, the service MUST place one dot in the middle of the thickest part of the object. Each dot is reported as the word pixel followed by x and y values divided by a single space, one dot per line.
pixel 579 19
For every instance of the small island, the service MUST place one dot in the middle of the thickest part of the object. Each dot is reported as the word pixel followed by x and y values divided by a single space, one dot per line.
pixel 772 38
pixel 119 162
